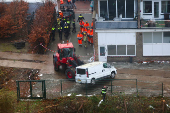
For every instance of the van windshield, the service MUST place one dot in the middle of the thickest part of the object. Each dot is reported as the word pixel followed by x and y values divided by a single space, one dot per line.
pixel 81 71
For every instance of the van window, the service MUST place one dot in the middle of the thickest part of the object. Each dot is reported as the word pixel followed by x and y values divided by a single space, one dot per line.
pixel 105 65
pixel 81 71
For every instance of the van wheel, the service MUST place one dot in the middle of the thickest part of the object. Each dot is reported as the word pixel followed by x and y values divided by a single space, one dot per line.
pixel 112 75
pixel 69 74
pixel 93 81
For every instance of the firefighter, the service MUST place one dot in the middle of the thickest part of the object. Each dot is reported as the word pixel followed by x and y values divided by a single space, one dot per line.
pixel 68 23
pixel 66 30
pixel 80 38
pixel 74 26
pixel 53 33
pixel 91 36
pixel 81 23
pixel 64 19
pixel 80 18
pixel 60 30
pixel 104 89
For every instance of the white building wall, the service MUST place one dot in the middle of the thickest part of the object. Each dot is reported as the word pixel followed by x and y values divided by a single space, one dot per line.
pixel 116 38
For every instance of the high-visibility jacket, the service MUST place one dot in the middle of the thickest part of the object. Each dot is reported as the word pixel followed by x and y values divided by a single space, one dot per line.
pixel 103 90
pixel 60 28
pixel 88 32
pixel 92 24
pixel 79 36
pixel 91 34
pixel 84 30
pixel 81 23
pixel 53 28
pixel 80 17
pixel 86 25
pixel 61 2
pixel 68 22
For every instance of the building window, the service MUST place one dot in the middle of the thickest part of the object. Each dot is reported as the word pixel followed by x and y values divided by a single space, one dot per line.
pixel 166 37
pixel 102 51
pixel 109 9
pixel 118 50
pixel 165 6
pixel 112 9
pixel 121 7
pixel 111 49
pixel 103 9
pixel 130 49
pixel 147 6
pixel 129 8
pixel 157 37
pixel 147 37
pixel 121 49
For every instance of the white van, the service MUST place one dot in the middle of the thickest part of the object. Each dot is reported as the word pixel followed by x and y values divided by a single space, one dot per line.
pixel 92 71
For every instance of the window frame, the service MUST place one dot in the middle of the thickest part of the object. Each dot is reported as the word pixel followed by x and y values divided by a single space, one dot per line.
pixel 151 8
pixel 116 9
pixel 126 50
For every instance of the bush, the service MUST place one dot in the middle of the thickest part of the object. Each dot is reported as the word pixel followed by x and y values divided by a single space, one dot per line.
pixel 13 18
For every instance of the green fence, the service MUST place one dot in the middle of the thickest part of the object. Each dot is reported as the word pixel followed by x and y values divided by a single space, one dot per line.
pixel 52 89
pixel 31 89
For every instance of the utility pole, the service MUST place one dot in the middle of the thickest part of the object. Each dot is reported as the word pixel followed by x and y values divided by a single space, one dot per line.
pixel 138 14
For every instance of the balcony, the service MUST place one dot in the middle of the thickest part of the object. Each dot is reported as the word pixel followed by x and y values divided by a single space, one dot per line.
pixel 116 25
pixel 156 24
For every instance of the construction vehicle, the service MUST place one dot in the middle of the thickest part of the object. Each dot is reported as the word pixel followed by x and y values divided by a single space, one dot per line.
pixel 65 59
pixel 68 11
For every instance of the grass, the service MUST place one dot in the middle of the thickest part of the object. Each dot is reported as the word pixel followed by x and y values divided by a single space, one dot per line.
pixel 74 104
pixel 6 47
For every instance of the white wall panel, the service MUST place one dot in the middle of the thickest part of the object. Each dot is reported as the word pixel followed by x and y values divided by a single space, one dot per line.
pixel 157 49
pixel 101 38
pixel 166 49
pixel 117 38
pixel 147 49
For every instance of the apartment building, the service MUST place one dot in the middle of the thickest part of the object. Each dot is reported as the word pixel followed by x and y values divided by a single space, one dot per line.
pixel 135 30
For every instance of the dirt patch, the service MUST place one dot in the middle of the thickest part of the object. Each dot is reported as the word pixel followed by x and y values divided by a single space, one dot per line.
pixel 10 75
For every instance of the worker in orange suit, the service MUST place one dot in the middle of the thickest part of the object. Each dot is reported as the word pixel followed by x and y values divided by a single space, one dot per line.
pixel 88 35
pixel 61 14
pixel 84 30
pixel 81 23
pixel 61 2
pixel 80 38
pixel 91 36
pixel 69 1
pixel 86 24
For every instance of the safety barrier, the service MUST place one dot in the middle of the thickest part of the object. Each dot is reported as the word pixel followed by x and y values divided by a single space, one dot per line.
pixel 51 89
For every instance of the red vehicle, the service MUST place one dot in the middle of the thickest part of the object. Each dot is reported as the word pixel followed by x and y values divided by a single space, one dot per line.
pixel 66 60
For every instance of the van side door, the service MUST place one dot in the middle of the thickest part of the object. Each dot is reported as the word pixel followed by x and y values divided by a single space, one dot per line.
pixel 107 70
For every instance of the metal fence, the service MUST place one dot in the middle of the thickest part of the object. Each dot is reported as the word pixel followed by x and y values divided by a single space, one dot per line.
pixel 52 89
